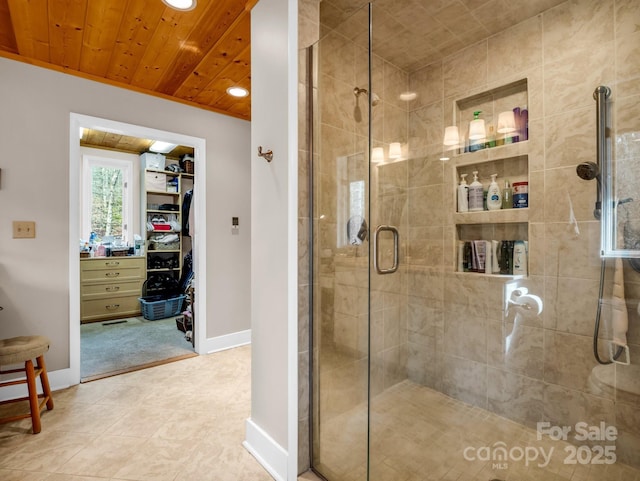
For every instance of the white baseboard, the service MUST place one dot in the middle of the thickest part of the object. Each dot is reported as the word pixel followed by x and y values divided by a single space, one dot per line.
pixel 60 379
pixel 228 341
pixel 267 452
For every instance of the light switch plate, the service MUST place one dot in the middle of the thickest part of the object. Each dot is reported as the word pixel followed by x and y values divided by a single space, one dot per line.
pixel 24 229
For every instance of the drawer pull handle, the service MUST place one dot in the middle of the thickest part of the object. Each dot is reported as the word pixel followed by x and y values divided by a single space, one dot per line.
pixel 112 274
pixel 112 263
pixel 112 288
pixel 112 307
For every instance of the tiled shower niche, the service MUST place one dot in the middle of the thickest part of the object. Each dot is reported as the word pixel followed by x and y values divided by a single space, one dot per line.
pixel 490 103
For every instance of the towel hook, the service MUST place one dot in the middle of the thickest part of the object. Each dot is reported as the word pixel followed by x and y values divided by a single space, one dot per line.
pixel 267 155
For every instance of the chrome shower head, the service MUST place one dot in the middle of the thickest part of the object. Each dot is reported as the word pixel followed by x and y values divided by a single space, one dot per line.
pixel 588 171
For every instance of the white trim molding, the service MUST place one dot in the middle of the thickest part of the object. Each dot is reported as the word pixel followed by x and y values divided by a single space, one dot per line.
pixel 78 121
pixel 228 341
pixel 60 379
pixel 267 452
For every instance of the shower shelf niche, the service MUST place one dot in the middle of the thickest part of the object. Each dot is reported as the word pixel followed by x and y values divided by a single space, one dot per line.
pixel 493 231
pixel 510 161
pixel 490 103
pixel 514 168
pixel 502 224
pixel 503 216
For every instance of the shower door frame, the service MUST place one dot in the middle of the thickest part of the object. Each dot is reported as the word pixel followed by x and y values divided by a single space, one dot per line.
pixel 312 119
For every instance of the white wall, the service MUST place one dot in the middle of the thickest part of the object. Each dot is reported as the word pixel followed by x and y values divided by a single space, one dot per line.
pixel 34 129
pixel 272 429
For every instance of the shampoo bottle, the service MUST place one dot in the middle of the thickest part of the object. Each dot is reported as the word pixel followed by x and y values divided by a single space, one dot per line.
pixel 475 194
pixel 507 196
pixel 466 260
pixel 520 258
pixel 463 194
pixel 494 196
pixel 481 254
pixel 518 133
pixel 524 118
pixel 495 257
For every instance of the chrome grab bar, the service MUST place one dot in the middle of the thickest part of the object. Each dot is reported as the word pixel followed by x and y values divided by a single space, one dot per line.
pixel 601 94
pixel 396 249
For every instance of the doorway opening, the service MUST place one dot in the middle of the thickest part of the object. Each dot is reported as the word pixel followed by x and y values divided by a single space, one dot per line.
pixel 133 260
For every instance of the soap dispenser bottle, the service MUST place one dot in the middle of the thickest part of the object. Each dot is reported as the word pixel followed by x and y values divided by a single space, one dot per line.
pixel 494 196
pixel 463 194
pixel 476 194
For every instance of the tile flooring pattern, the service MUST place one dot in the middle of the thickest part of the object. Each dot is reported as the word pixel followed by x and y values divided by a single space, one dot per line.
pixel 419 434
pixel 182 421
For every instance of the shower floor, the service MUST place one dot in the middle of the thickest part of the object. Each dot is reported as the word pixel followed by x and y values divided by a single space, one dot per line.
pixel 419 434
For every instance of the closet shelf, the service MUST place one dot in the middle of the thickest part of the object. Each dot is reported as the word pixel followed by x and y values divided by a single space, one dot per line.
pixel 162 192
pixel 173 248
pixel 167 172
pixel 160 211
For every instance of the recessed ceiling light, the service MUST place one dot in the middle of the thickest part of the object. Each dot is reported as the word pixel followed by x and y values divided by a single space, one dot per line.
pixel 183 5
pixel 237 91
pixel 162 147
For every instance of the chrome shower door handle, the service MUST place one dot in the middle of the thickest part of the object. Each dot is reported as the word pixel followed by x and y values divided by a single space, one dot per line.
pixel 396 249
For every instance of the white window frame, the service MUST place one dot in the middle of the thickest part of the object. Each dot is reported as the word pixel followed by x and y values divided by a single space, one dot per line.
pixel 126 166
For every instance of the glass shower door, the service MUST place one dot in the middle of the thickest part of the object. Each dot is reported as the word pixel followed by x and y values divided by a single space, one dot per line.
pixel 480 373
pixel 425 367
pixel 341 246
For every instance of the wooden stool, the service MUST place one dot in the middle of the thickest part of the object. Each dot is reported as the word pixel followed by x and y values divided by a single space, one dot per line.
pixel 23 350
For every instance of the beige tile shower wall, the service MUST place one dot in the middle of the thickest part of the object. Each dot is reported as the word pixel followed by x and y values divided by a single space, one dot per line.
pixel 457 329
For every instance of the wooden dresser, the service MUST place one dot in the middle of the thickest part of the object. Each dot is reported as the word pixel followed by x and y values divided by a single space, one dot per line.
pixel 110 287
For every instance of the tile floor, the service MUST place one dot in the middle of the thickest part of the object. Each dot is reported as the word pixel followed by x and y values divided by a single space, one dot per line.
pixel 182 421
pixel 418 434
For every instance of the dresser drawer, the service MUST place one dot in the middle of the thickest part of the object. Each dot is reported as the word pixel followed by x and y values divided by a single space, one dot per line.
pixel 111 289
pixel 98 263
pixel 109 307
pixel 112 269
pixel 111 275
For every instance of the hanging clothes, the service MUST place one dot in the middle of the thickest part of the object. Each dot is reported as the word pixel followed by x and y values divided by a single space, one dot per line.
pixel 186 208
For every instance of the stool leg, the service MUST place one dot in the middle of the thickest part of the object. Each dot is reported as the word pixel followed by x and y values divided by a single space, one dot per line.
pixel 33 396
pixel 44 380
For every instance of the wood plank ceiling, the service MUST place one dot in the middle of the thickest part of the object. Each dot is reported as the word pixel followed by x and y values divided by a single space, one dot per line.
pixel 124 143
pixel 143 45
